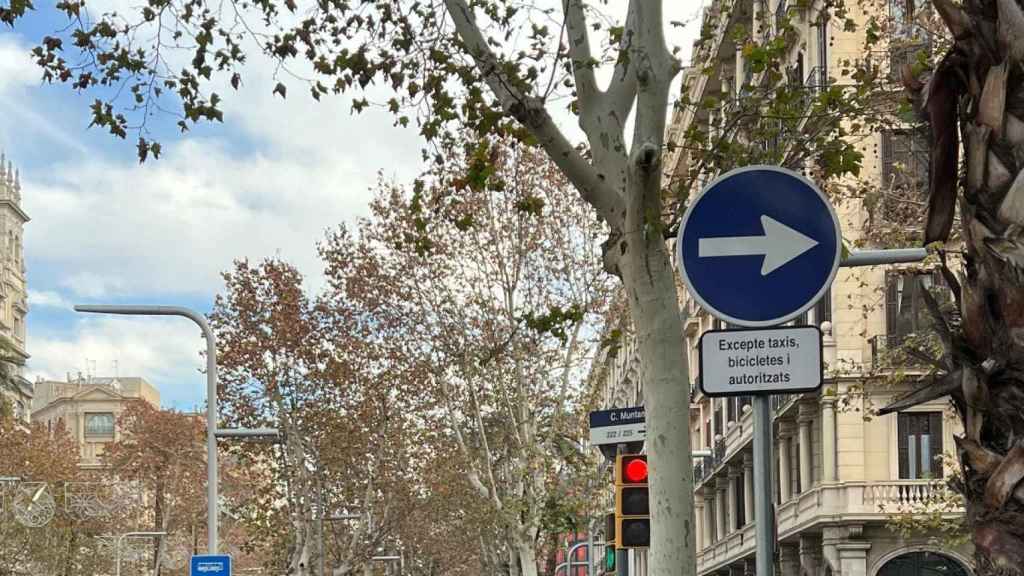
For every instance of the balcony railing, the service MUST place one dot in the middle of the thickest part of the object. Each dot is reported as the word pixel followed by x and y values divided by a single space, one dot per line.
pixel 886 352
pixel 816 82
pixel 718 452
pixel 821 505
pixel 905 495
pixel 780 401
pixel 701 470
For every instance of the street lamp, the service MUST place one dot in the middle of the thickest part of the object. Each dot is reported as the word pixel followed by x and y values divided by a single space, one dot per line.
pixel 211 399
pixel 117 545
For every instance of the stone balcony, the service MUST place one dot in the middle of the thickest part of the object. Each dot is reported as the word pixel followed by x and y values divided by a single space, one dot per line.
pixel 856 502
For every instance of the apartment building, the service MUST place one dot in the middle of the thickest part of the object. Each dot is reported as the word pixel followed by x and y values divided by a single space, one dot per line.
pixel 841 474
pixel 89 407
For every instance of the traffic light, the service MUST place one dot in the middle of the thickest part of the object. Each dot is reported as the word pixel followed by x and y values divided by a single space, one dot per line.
pixel 609 547
pixel 632 502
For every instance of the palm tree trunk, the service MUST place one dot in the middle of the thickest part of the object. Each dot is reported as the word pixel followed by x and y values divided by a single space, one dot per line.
pixel 978 90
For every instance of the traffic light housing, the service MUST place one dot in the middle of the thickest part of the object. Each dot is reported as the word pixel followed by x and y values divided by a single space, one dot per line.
pixel 632 502
pixel 609 548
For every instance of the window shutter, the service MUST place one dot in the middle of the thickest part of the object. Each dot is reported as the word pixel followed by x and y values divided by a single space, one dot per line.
pixel 823 50
pixel 740 517
pixel 794 451
pixel 902 441
pixel 887 158
pixel 906 320
pixel 935 429
pixel 891 303
pixel 823 309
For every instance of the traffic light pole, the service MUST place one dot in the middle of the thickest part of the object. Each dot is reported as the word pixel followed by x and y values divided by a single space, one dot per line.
pixel 621 556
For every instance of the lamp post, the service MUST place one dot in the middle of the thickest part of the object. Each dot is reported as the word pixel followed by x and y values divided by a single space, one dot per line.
pixel 117 545
pixel 211 399
pixel 211 395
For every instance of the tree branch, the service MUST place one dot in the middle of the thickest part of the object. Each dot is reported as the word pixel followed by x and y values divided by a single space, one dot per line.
pixel 579 53
pixel 592 183
pixel 622 89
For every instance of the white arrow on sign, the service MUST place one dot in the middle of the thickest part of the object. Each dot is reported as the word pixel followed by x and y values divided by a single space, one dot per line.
pixel 779 244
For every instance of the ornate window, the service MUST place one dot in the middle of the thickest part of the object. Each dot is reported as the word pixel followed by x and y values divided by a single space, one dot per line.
pixel 919 435
pixel 99 424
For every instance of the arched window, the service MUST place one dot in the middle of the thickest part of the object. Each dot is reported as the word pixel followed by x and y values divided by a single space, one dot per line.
pixel 922 564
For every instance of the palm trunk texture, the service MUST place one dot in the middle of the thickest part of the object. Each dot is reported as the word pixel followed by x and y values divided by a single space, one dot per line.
pixel 977 92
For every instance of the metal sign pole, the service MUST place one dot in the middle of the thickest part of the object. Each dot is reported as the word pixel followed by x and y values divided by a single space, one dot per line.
pixel 763 460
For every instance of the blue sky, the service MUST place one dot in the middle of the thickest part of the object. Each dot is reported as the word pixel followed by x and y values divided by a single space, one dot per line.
pixel 104 229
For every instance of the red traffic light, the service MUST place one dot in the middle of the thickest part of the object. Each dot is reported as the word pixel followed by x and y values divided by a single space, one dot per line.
pixel 635 470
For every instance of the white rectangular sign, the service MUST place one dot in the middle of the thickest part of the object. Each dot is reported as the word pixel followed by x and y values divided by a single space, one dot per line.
pixel 776 360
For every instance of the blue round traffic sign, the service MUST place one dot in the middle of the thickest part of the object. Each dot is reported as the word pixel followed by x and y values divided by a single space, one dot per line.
pixel 759 246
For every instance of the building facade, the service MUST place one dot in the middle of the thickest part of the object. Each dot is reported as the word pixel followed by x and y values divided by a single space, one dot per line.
pixel 842 474
pixel 13 293
pixel 89 407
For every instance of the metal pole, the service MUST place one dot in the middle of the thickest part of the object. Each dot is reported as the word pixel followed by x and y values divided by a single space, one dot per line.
pixel 323 559
pixel 621 555
pixel 117 555
pixel 763 461
pixel 876 257
pixel 211 396
pixel 268 434
pixel 590 547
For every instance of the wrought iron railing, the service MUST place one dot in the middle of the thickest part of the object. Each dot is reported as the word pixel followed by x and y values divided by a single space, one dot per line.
pixel 718 452
pixel 816 81
pixel 887 352
pixel 780 401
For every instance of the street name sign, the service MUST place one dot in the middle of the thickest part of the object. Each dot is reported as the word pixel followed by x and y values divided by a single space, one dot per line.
pixel 618 425
pixel 759 246
pixel 210 565
pixel 776 361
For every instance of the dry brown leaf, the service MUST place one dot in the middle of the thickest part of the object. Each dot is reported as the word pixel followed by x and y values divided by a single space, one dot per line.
pixel 943 95
pixel 1004 479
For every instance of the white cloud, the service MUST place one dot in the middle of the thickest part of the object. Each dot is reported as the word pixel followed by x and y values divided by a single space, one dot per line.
pixel 165 351
pixel 117 229
pixel 47 299
pixel 16 67
pixel 268 182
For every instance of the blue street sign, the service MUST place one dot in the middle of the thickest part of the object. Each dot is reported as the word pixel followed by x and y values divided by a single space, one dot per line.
pixel 210 565
pixel 617 417
pixel 759 246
